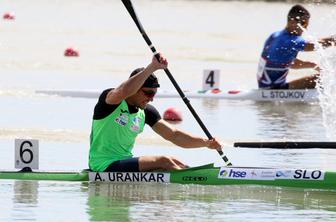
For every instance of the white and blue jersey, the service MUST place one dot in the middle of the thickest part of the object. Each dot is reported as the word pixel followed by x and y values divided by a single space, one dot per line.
pixel 280 50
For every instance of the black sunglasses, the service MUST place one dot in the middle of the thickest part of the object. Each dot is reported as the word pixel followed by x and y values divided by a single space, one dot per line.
pixel 149 93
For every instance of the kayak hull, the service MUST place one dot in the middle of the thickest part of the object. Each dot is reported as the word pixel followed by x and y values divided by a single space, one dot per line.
pixel 203 175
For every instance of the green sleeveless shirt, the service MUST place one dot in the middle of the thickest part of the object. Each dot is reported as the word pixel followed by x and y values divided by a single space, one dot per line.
pixel 112 138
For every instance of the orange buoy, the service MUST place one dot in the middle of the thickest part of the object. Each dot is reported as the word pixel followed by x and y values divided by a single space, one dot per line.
pixel 71 52
pixel 172 114
pixel 9 16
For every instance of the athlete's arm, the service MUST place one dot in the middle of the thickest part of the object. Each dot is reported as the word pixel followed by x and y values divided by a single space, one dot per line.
pixel 299 64
pixel 183 139
pixel 134 83
pixel 325 42
pixel 309 47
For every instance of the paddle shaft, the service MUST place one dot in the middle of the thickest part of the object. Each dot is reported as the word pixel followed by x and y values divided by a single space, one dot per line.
pixel 287 145
pixel 131 11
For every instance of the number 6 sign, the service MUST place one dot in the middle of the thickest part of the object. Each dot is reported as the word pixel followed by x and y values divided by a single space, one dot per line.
pixel 26 153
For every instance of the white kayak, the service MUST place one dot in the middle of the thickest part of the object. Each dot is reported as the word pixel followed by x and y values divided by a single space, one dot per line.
pixel 285 95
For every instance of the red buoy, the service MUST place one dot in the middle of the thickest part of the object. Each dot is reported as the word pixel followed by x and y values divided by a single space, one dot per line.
pixel 71 52
pixel 234 91
pixel 215 91
pixel 172 114
pixel 9 16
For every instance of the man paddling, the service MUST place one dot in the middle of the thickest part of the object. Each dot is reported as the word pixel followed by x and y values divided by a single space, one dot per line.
pixel 280 52
pixel 120 115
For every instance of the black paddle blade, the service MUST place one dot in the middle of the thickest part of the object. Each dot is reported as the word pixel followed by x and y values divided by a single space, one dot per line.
pixel 129 6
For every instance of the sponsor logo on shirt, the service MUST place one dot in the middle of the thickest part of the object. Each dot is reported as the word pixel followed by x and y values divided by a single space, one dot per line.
pixel 135 127
pixel 122 119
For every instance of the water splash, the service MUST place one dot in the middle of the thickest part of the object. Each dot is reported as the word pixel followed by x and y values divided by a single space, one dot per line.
pixel 327 90
pixel 326 84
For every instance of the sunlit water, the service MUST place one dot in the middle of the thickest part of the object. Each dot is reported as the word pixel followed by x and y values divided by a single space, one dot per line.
pixel 210 34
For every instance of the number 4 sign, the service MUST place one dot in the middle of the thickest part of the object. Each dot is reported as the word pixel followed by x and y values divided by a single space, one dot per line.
pixel 210 79
pixel 26 153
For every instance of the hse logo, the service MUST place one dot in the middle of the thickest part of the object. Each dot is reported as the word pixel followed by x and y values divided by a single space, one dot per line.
pixel 223 173
pixel 246 173
pixel 232 173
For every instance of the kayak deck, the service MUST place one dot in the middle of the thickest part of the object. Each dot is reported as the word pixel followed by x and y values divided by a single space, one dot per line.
pixel 56 176
pixel 284 95
pixel 211 177
pixel 203 175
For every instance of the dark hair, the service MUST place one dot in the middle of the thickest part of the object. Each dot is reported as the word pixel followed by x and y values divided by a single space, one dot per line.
pixel 298 13
pixel 151 82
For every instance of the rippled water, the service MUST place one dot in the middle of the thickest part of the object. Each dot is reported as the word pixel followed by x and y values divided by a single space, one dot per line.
pixel 209 35
pixel 115 202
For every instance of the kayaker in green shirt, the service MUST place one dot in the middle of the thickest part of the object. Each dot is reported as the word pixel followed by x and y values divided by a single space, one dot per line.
pixel 121 114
